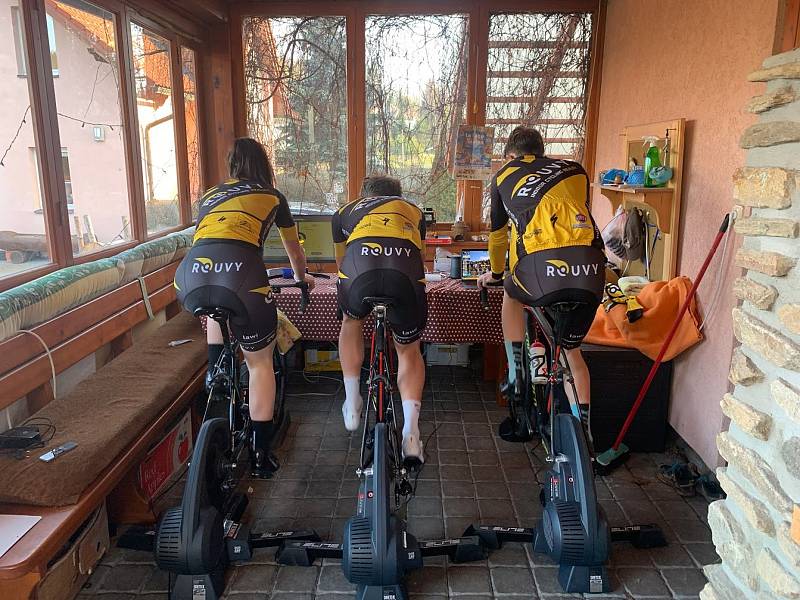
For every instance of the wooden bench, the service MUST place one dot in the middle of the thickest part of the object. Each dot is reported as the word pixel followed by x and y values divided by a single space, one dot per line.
pixel 25 369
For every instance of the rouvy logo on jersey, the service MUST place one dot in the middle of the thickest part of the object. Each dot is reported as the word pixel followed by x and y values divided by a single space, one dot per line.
pixel 560 268
pixel 206 265
pixel 375 249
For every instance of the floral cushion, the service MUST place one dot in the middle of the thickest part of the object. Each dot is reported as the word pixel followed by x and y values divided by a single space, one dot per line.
pixel 42 299
pixel 45 298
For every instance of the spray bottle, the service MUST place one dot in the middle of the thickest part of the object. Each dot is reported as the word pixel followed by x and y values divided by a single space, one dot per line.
pixel 652 158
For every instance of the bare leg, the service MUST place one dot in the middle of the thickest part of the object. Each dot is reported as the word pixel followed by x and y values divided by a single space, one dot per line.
pixel 351 346
pixel 262 383
pixel 411 381
pixel 513 315
pixel 351 355
pixel 213 332
pixel 410 371
pixel 580 373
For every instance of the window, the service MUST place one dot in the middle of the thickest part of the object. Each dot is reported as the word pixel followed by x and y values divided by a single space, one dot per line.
pixel 19 41
pixel 419 78
pixel 18 28
pixel 189 74
pixel 154 104
pixel 416 87
pixel 67 178
pixel 24 244
pixel 90 124
pixel 537 75
pixel 296 99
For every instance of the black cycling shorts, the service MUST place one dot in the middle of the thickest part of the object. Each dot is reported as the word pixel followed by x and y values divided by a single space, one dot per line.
pixel 230 275
pixel 570 274
pixel 391 268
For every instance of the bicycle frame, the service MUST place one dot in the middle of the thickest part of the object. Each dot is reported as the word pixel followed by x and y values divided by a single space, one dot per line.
pixel 558 374
pixel 380 392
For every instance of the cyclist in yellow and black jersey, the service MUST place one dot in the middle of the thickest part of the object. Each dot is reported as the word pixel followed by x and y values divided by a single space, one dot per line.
pixel 379 251
pixel 224 268
pixel 555 253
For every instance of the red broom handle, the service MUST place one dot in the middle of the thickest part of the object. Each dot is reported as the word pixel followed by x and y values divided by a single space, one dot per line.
pixel 651 375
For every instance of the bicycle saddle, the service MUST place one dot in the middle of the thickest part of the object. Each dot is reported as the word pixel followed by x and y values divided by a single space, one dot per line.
pixel 379 300
pixel 219 314
pixel 565 307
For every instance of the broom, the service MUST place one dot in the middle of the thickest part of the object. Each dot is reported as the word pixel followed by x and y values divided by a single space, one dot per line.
pixel 618 453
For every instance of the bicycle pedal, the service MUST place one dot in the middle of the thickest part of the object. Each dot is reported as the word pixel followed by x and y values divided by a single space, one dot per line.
pixel 412 464
pixel 404 488
pixel 510 431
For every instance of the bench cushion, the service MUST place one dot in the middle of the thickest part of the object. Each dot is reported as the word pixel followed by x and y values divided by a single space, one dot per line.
pixel 104 414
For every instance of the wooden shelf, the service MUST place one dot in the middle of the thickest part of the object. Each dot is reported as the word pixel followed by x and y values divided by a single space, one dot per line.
pixel 627 189
pixel 660 199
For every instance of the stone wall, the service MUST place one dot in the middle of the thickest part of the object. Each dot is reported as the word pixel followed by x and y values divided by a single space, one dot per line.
pixel 752 527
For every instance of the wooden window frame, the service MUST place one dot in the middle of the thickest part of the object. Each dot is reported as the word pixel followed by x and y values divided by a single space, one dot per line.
pixel 47 136
pixel 356 12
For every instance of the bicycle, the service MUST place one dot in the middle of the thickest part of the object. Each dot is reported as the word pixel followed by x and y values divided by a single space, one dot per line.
pixel 377 550
pixel 573 530
pixel 197 539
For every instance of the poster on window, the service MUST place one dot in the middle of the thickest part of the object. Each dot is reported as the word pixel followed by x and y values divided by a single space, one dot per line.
pixel 473 156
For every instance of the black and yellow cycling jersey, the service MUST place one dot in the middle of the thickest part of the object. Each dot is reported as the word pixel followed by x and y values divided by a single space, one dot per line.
pixel 243 210
pixel 378 217
pixel 547 202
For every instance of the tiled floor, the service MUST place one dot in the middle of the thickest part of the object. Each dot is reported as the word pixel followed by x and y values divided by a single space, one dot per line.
pixel 470 476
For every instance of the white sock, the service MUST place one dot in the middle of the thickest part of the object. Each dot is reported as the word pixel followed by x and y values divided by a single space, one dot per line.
pixel 352 392
pixel 411 417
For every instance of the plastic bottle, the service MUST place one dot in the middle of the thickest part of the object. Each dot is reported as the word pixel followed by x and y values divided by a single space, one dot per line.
pixel 538 363
pixel 652 158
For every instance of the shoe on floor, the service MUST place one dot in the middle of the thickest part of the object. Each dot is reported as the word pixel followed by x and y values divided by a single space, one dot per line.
pixel 352 418
pixel 413 455
pixel 263 466
pixel 680 476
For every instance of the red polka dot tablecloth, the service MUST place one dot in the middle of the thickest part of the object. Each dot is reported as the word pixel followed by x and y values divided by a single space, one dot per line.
pixel 455 314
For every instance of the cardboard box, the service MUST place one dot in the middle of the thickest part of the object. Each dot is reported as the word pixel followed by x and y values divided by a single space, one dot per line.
pixel 454 355
pixel 165 461
pixel 322 360
pixel 65 578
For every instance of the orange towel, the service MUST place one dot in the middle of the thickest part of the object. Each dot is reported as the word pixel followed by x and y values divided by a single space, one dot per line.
pixel 661 300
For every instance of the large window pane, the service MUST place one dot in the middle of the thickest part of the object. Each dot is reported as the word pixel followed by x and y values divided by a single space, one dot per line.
pixel 154 104
pixel 189 74
pixel 90 123
pixel 23 242
pixel 416 86
pixel 538 73
pixel 296 94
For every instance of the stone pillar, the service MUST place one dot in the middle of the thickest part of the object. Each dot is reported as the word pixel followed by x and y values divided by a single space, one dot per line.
pixel 752 527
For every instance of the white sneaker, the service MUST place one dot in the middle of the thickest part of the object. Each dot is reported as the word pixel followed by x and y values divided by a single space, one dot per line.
pixel 352 417
pixel 413 449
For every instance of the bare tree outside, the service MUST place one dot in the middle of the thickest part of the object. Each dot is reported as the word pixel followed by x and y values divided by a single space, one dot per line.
pixel 538 75
pixel 416 91
pixel 296 92
pixel 416 85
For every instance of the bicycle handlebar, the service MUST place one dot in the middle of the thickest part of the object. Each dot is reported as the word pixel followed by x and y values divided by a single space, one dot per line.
pixel 284 273
pixel 485 293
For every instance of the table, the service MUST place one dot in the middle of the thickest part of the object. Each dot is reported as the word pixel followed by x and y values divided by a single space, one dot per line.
pixel 455 315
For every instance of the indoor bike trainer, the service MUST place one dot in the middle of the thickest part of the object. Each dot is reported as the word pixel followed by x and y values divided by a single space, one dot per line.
pixel 573 529
pixel 197 540
pixel 377 550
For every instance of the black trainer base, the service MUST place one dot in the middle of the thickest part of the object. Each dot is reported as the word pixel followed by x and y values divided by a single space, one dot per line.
pixel 199 587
